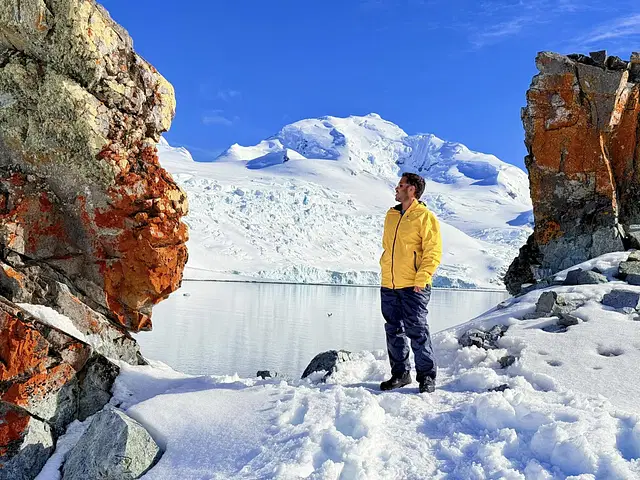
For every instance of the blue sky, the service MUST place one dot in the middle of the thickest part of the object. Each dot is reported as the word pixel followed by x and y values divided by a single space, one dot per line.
pixel 458 69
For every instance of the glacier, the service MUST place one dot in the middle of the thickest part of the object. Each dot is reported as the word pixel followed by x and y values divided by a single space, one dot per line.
pixel 307 205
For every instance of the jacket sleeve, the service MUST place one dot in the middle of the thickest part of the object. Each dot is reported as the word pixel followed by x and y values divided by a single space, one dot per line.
pixel 431 251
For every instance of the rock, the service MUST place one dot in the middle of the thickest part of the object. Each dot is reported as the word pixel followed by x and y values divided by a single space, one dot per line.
pixel 25 444
pixel 589 277
pixel 266 374
pixel 634 256
pixel 599 57
pixel 50 379
pixel 114 446
pixel 572 277
pixel 632 279
pixel 507 361
pixel 567 320
pixel 483 339
pixel 628 268
pixel 327 362
pixel 581 123
pixel 90 223
pixel 619 299
pixel 554 304
pixel 500 388
pixel 616 63
pixel 84 192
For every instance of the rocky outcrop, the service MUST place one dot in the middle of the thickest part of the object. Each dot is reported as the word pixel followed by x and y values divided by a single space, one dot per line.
pixel 581 132
pixel 90 223
pixel 81 189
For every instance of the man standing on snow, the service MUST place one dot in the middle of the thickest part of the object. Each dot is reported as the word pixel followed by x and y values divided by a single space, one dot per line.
pixel 412 252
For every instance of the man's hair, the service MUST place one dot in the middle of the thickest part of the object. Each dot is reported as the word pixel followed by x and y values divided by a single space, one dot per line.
pixel 416 181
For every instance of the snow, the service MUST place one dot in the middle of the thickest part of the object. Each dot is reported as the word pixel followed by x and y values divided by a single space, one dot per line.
pixel 307 205
pixel 54 319
pixel 570 409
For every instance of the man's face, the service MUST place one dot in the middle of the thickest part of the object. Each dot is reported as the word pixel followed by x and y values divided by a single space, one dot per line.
pixel 404 191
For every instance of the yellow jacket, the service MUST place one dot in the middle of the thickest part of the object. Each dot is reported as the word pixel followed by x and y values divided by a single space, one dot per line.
pixel 412 247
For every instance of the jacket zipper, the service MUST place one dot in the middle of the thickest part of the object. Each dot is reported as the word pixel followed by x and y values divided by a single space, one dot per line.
pixel 393 250
pixel 415 261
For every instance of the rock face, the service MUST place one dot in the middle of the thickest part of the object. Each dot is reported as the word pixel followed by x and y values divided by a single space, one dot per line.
pixel 90 224
pixel 81 189
pixel 581 133
pixel 113 447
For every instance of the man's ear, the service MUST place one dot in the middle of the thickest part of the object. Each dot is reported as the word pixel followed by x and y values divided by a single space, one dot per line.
pixel 411 192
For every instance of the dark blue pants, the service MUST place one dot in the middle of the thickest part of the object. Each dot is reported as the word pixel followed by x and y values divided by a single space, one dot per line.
pixel 405 312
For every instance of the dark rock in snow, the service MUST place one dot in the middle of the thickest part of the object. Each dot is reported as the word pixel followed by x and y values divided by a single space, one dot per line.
pixel 481 339
pixel 567 320
pixel 554 303
pixel 634 256
pixel 628 268
pixel 327 362
pixel 584 277
pixel 507 361
pixel 500 388
pixel 619 299
pixel 266 374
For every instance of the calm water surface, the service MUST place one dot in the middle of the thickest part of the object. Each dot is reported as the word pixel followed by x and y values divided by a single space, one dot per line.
pixel 224 328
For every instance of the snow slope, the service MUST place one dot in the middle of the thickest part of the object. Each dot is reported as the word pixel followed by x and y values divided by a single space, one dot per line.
pixel 307 205
pixel 569 410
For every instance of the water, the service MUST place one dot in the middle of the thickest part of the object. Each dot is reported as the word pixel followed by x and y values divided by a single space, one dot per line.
pixel 225 328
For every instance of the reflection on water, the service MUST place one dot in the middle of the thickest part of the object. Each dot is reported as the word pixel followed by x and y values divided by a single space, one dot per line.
pixel 224 328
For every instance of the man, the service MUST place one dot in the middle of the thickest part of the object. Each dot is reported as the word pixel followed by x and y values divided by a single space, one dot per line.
pixel 412 252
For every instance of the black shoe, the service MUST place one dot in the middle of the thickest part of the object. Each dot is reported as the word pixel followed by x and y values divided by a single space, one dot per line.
pixel 396 381
pixel 427 384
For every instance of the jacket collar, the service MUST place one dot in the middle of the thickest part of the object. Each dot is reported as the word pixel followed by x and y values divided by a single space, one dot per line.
pixel 413 205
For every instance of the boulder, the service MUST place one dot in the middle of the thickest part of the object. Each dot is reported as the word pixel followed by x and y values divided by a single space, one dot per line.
pixel 326 362
pixel 581 124
pixel 114 446
pixel 81 189
pixel 584 277
pixel 555 304
pixel 628 268
pixel 90 223
pixel 620 299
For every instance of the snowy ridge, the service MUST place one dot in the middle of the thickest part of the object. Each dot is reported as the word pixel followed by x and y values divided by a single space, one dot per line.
pixel 565 409
pixel 307 205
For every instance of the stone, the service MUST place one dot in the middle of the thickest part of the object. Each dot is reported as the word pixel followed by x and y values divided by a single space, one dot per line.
pixel 500 388
pixel 619 299
pixel 507 361
pixel 114 446
pixel 84 191
pixel 633 279
pixel 483 339
pixel 568 320
pixel 90 223
pixel 581 123
pixel 628 268
pixel 25 444
pixel 599 57
pixel 554 304
pixel 634 256
pixel 616 63
pixel 266 374
pixel 327 362
pixel 589 277
pixel 572 277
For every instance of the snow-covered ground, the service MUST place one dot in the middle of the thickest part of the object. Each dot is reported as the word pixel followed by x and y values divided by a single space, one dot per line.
pixel 308 204
pixel 570 408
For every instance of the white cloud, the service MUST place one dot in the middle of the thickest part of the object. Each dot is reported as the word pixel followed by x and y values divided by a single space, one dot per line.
pixel 217 117
pixel 227 95
pixel 622 27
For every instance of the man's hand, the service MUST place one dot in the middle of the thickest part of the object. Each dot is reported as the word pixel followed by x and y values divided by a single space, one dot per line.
pixel 417 289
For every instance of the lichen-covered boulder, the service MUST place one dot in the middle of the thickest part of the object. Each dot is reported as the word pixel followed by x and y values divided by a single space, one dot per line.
pixel 81 188
pixel 581 133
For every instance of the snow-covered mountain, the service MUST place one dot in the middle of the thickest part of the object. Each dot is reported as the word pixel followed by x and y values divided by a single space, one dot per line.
pixel 307 205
